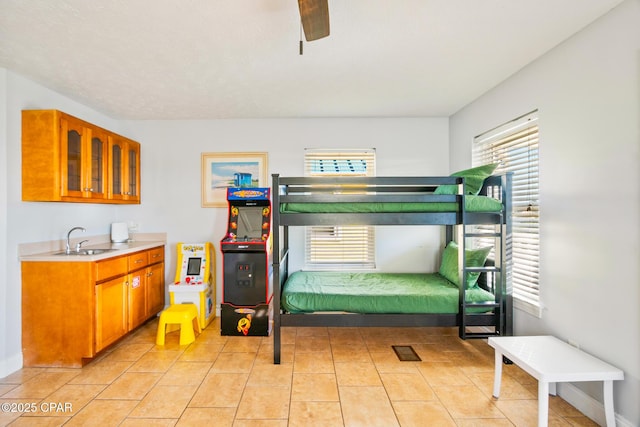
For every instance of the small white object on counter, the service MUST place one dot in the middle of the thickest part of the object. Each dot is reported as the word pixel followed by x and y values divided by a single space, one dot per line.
pixel 119 232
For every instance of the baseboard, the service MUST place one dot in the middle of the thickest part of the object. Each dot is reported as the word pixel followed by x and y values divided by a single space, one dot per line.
pixel 10 365
pixel 589 406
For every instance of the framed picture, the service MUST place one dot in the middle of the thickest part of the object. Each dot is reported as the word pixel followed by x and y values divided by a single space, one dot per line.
pixel 223 170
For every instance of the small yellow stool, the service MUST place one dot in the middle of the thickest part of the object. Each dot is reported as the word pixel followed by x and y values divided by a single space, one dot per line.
pixel 182 314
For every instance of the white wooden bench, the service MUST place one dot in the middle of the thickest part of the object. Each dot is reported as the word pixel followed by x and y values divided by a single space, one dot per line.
pixel 550 361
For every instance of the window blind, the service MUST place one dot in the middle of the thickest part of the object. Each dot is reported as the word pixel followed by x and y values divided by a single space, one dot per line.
pixel 515 146
pixel 344 247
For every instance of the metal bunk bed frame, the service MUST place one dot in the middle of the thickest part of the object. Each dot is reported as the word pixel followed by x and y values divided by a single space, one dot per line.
pixel 398 190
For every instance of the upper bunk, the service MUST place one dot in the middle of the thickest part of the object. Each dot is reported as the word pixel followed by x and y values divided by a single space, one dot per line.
pixel 406 200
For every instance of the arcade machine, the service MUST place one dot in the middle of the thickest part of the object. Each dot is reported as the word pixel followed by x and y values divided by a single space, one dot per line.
pixel 247 287
pixel 195 280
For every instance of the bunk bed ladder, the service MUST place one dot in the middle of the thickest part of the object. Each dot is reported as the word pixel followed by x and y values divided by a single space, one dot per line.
pixel 475 314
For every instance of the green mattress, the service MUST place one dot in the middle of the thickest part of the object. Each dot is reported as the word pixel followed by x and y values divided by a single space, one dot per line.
pixel 312 291
pixel 472 204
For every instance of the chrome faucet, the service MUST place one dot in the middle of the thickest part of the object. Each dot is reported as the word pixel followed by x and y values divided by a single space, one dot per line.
pixel 68 248
pixel 79 245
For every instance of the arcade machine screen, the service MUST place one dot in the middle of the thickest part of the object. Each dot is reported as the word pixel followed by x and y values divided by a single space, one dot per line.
pixel 250 222
pixel 193 266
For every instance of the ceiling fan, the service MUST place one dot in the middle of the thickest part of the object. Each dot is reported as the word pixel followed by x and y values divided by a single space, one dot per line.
pixel 314 15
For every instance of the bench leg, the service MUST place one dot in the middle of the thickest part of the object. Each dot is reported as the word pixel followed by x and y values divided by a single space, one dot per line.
pixel 497 379
pixel 608 404
pixel 543 403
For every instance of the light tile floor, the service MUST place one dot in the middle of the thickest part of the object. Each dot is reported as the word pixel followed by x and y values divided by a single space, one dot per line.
pixel 328 377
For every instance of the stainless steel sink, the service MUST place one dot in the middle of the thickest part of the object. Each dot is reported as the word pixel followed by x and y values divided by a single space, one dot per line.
pixel 96 251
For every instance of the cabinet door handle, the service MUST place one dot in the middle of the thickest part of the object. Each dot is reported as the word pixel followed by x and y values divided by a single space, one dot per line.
pixel 149 274
pixel 138 261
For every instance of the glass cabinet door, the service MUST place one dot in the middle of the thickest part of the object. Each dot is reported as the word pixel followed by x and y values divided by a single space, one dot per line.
pixel 124 169
pixel 133 172
pixel 97 187
pixel 72 152
pixel 116 168
pixel 74 161
pixel 84 160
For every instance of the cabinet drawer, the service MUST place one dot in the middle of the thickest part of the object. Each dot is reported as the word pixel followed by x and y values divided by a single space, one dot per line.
pixel 111 267
pixel 138 260
pixel 156 255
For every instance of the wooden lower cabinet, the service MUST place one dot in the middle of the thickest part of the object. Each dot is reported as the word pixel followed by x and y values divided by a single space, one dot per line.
pixel 155 288
pixel 73 310
pixel 111 311
pixel 137 298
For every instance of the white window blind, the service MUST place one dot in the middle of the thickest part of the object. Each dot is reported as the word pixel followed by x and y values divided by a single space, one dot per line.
pixel 343 247
pixel 515 146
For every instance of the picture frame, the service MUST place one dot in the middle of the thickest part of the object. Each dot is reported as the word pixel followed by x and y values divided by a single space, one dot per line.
pixel 223 170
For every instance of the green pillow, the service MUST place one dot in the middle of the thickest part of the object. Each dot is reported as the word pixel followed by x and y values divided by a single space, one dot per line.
pixel 473 180
pixel 449 264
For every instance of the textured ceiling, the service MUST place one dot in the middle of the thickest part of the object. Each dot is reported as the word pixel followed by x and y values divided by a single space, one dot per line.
pixel 206 59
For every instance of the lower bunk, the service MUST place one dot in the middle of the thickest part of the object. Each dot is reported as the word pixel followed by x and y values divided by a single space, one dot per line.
pixel 376 293
pixel 348 299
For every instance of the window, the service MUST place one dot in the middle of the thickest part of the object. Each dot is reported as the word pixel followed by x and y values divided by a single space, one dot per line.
pixel 514 146
pixel 344 247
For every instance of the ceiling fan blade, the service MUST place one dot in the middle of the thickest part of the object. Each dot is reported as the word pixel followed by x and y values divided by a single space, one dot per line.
pixel 315 18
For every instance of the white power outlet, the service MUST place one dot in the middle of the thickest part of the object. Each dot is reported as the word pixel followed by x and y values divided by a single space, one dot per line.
pixel 133 226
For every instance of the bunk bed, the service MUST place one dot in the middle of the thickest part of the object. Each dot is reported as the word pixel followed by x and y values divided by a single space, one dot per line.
pixel 342 299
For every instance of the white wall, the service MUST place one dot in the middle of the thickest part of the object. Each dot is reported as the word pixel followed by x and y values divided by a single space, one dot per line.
pixel 24 222
pixel 171 175
pixel 587 91
pixel 170 168
pixel 4 276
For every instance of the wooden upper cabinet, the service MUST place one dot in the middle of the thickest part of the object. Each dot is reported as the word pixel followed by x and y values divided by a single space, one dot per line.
pixel 83 160
pixel 69 160
pixel 97 176
pixel 124 169
pixel 132 181
pixel 73 137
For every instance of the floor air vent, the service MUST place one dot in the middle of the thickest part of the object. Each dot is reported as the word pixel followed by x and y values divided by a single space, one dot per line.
pixel 406 353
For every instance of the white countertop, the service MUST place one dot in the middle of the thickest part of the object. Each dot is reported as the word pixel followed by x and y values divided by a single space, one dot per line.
pixel 29 254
